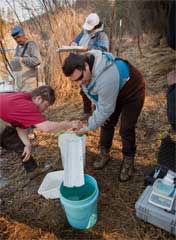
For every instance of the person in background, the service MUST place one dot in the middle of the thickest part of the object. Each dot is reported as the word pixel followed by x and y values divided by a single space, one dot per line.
pixel 171 26
pixel 116 88
pixel 92 36
pixel 171 99
pixel 25 61
pixel 21 110
pixel 167 150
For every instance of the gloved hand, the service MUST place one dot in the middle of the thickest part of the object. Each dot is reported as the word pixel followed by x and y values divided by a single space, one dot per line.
pixel 16 64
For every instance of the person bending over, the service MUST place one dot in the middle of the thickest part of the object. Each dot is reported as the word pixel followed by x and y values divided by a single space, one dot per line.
pixel 21 110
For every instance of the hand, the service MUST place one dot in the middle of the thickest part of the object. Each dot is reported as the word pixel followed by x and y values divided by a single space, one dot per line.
pixel 27 153
pixel 16 64
pixel 76 125
pixel 171 77
pixel 83 130
pixel 17 59
pixel 73 44
pixel 85 49
pixel 106 122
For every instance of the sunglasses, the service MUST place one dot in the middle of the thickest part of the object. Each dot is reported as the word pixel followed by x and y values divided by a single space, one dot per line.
pixel 80 77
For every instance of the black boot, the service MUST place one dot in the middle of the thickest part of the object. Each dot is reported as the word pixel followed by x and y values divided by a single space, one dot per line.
pixel 167 153
pixel 30 165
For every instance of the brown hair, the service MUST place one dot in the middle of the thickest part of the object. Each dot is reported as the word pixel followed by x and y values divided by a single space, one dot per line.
pixel 77 61
pixel 46 92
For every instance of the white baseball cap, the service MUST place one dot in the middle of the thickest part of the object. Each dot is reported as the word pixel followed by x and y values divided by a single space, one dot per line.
pixel 91 21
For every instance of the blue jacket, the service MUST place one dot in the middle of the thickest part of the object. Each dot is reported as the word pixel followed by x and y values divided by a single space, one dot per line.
pixel 96 40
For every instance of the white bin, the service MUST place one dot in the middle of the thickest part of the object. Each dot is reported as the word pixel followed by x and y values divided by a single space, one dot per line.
pixel 49 188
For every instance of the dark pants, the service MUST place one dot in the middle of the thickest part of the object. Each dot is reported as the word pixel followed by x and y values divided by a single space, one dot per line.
pixel 167 150
pixel 10 141
pixel 171 105
pixel 129 105
pixel 167 153
pixel 87 105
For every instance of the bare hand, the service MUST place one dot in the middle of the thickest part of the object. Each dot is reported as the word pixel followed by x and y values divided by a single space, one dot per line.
pixel 106 122
pixel 73 44
pixel 85 49
pixel 83 130
pixel 171 77
pixel 27 153
pixel 76 125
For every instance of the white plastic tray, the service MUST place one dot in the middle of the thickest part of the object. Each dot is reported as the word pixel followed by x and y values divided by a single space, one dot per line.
pixel 49 188
pixel 70 48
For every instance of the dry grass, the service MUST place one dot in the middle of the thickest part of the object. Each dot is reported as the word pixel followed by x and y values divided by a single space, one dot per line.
pixel 13 230
pixel 56 30
pixel 116 221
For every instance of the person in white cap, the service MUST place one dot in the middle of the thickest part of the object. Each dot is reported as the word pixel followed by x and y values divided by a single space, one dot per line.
pixel 92 36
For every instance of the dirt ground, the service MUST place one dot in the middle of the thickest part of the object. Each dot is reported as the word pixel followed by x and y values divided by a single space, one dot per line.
pixel 27 216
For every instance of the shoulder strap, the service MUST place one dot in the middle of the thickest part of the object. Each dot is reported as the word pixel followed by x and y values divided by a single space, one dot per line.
pixel 78 37
pixel 121 65
pixel 109 56
pixel 25 47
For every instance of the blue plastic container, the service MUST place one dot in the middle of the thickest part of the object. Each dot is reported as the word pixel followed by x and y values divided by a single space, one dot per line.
pixel 80 203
